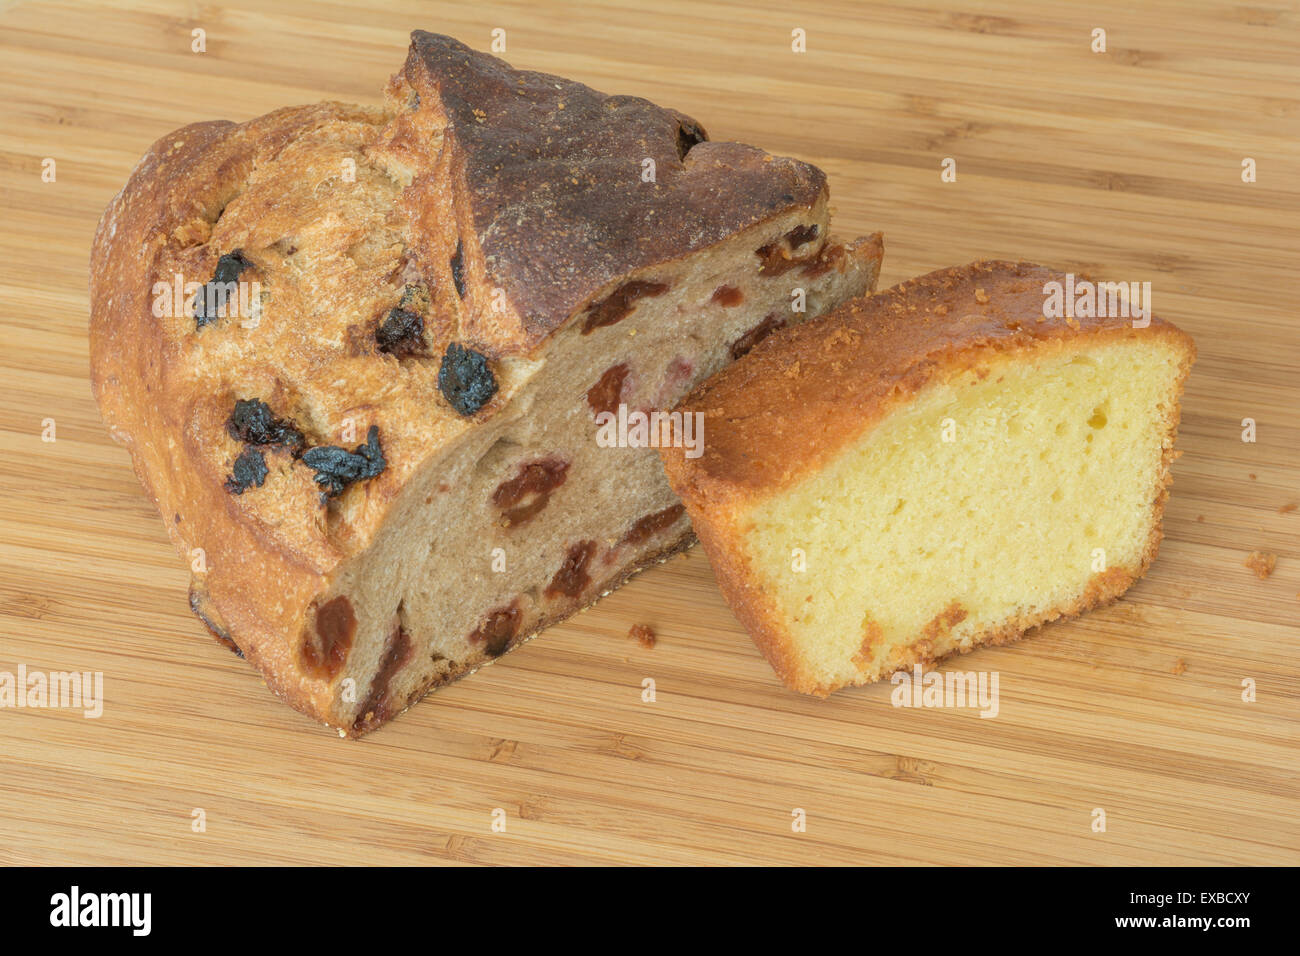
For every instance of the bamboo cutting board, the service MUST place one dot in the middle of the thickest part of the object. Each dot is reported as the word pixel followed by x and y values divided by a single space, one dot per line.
pixel 1127 163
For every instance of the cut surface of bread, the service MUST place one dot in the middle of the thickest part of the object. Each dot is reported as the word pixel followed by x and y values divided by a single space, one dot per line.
pixel 377 448
pixel 953 469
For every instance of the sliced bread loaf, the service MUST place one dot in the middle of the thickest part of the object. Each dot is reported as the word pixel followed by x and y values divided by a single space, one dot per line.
pixel 357 355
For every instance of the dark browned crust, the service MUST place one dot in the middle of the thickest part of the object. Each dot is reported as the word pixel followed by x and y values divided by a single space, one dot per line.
pixel 805 393
pixel 204 612
pixel 553 244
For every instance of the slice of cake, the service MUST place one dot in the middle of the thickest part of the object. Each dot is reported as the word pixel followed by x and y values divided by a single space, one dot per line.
pixel 931 469
pixel 357 355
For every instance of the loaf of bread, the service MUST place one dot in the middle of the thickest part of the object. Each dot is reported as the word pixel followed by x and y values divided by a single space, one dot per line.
pixel 357 355
pixel 932 468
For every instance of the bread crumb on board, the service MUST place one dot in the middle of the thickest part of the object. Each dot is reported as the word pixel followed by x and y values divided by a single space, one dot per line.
pixel 1180 666
pixel 1262 563
pixel 643 634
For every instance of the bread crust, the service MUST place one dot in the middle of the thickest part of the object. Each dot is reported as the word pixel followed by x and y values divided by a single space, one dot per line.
pixel 530 181
pixel 555 246
pixel 805 394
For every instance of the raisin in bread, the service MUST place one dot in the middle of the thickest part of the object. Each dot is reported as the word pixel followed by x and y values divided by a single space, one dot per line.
pixel 372 430
pixel 931 469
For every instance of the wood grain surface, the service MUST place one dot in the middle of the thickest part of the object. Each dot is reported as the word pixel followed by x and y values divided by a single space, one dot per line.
pixel 1127 163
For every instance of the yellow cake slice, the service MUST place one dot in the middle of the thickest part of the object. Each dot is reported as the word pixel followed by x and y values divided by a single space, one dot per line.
pixel 933 468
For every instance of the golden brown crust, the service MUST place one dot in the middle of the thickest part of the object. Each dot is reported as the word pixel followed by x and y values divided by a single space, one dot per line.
pixel 740 589
pixel 806 393
pixel 134 367
pixel 809 390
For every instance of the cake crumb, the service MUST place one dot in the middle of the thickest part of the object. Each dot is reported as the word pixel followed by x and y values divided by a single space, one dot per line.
pixel 1180 666
pixel 1252 476
pixel 643 634
pixel 981 296
pixel 1262 563
pixel 1286 509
